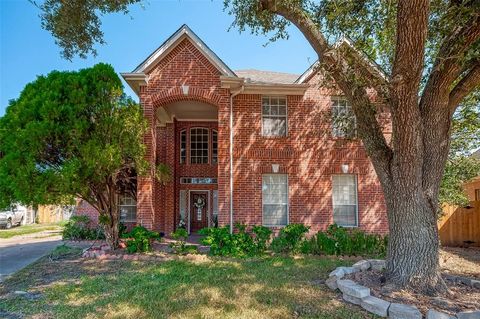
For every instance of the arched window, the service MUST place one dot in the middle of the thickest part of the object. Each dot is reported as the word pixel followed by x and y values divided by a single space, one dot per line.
pixel 183 146
pixel 214 147
pixel 199 145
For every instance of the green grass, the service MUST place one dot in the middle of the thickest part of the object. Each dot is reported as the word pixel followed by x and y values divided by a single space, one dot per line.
pixel 27 229
pixel 183 287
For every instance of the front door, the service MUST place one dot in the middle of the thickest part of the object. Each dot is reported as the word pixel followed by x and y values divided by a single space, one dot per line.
pixel 198 211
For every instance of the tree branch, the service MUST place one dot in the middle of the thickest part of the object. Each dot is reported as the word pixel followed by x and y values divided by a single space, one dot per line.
pixel 464 87
pixel 347 76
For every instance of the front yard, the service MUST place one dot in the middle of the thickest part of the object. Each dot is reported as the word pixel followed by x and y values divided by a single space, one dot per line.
pixel 29 229
pixel 63 285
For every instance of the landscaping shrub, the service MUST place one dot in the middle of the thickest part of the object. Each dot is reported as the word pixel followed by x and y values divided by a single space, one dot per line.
pixel 239 244
pixel 180 246
pixel 289 239
pixel 140 239
pixel 342 241
pixel 77 228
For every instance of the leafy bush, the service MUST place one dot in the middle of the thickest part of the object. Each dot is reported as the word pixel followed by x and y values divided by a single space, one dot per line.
pixel 180 246
pixel 341 241
pixel 239 244
pixel 77 228
pixel 140 239
pixel 290 238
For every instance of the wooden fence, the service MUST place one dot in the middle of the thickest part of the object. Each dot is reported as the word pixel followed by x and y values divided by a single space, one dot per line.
pixel 53 214
pixel 460 225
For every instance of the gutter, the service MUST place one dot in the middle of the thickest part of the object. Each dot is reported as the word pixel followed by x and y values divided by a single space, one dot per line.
pixel 232 95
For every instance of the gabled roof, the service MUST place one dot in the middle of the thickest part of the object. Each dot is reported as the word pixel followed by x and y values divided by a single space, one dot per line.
pixel 183 32
pixel 343 41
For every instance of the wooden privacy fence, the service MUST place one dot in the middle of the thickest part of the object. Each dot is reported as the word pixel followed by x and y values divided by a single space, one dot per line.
pixel 460 226
pixel 53 214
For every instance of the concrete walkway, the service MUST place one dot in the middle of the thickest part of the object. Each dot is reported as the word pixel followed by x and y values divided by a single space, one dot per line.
pixel 20 251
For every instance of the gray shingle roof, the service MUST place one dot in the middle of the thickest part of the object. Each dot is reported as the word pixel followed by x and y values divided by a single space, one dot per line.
pixel 267 77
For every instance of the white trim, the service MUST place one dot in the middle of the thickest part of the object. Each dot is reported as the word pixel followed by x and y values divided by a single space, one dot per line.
pixel 357 221
pixel 288 200
pixel 279 116
pixel 173 41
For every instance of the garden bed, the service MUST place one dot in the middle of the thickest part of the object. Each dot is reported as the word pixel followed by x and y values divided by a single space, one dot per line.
pixel 462 297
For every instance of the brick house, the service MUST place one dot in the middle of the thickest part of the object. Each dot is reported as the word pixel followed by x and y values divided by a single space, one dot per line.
pixel 246 146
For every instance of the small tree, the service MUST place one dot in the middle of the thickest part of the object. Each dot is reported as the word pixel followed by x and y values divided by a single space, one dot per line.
pixel 73 134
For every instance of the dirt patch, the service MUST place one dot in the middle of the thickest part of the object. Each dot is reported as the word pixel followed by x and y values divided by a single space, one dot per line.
pixel 461 297
pixel 461 261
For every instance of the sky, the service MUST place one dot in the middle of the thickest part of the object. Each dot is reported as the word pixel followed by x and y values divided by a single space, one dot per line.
pixel 26 50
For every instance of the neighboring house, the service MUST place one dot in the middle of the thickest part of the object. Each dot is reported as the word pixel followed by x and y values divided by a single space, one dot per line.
pixel 249 146
pixel 472 187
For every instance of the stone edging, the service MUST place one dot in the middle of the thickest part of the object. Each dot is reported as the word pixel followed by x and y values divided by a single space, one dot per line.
pixel 360 295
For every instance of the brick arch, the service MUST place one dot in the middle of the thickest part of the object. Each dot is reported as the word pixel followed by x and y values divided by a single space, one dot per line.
pixel 194 94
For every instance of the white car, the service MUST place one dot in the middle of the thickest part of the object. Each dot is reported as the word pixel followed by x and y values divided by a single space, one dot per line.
pixel 15 216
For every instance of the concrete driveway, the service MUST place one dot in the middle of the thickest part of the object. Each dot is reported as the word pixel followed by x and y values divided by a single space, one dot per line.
pixel 20 251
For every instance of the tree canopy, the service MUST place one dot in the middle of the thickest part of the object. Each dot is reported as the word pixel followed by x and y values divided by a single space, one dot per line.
pixel 72 134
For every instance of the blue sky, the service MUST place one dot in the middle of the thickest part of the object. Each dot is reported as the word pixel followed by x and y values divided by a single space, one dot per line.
pixel 26 50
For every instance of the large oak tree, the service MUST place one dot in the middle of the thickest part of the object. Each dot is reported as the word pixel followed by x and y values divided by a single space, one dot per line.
pixel 430 53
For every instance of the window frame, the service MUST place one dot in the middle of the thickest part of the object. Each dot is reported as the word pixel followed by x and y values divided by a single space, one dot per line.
pixel 276 116
pixel 124 205
pixel 287 202
pixel 357 221
pixel 345 134
pixel 190 145
pixel 212 131
pixel 183 131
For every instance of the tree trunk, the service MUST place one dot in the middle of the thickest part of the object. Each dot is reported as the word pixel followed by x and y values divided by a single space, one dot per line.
pixel 413 247
pixel 112 228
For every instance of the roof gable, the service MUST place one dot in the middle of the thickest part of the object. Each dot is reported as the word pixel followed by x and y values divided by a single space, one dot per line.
pixel 343 42
pixel 174 40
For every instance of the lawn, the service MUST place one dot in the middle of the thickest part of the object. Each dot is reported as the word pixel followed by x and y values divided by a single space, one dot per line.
pixel 194 286
pixel 27 229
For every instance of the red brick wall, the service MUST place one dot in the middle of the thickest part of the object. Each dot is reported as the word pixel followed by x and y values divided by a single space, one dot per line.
pixel 309 154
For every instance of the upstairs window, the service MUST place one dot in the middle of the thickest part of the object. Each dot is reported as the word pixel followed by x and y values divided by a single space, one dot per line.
pixel 343 120
pixel 274 116
pixel 199 145
pixel 214 147
pixel 128 209
pixel 183 147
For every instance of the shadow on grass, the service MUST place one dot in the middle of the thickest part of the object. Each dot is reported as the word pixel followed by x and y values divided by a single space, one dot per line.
pixel 187 287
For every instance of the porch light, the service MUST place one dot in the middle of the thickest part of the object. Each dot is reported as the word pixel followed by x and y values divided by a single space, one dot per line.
pixel 185 89
pixel 275 168
pixel 345 168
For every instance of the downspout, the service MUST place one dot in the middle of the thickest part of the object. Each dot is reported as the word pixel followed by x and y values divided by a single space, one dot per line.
pixel 240 90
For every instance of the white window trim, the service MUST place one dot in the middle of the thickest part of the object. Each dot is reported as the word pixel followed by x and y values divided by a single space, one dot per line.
pixel 120 207
pixel 190 145
pixel 341 97
pixel 186 146
pixel 357 221
pixel 288 201
pixel 211 147
pixel 286 115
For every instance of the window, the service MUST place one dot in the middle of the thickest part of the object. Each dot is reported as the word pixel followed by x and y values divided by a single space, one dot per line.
pixel 199 146
pixel 477 194
pixel 274 116
pixel 275 199
pixel 183 147
pixel 214 147
pixel 198 180
pixel 183 205
pixel 343 120
pixel 128 209
pixel 345 200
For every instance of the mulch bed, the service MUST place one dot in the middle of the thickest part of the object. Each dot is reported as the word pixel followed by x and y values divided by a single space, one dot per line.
pixel 461 297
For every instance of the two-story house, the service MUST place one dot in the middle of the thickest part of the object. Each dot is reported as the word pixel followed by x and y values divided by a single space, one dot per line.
pixel 247 146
